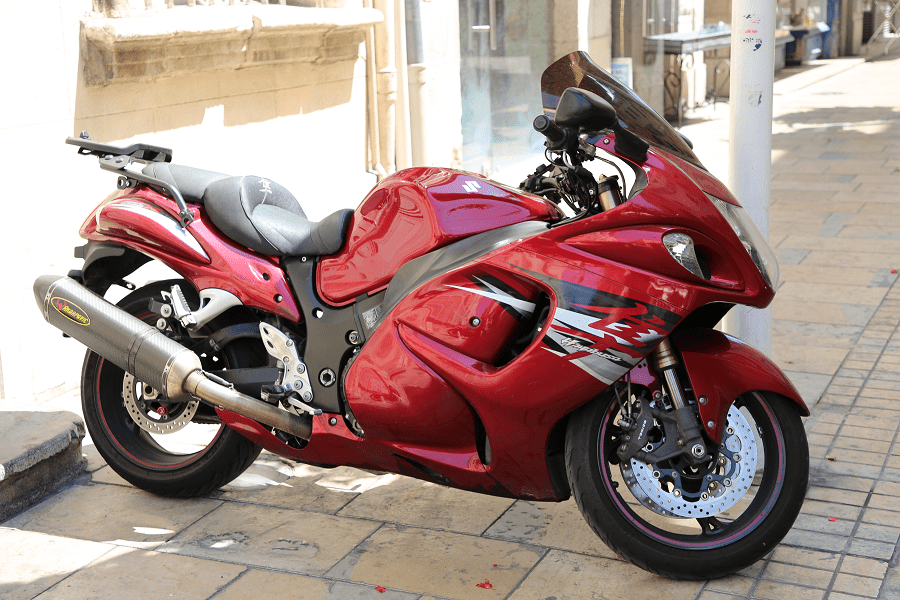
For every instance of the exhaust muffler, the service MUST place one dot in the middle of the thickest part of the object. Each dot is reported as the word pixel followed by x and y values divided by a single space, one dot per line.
pixel 147 353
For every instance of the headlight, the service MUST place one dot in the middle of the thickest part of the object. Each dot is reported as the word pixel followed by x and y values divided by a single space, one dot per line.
pixel 681 247
pixel 752 239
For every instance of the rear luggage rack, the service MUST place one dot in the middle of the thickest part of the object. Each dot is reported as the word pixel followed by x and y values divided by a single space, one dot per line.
pixel 116 159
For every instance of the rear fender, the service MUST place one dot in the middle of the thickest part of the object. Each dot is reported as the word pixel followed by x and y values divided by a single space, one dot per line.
pixel 721 368
pixel 143 224
pixel 106 263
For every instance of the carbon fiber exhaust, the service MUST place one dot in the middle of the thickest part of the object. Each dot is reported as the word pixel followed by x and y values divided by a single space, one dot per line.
pixel 146 352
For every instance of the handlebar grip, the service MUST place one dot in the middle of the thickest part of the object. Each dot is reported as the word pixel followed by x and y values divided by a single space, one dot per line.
pixel 556 136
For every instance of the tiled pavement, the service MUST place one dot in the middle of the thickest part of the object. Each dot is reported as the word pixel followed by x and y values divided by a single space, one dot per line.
pixel 286 530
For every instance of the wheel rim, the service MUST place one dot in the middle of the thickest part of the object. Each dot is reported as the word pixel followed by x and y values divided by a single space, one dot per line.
pixel 709 530
pixel 151 450
pixel 141 433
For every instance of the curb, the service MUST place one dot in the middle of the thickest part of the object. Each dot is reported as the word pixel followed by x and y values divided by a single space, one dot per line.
pixel 40 452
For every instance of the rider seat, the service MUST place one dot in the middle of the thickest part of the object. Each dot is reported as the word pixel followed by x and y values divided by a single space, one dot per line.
pixel 256 212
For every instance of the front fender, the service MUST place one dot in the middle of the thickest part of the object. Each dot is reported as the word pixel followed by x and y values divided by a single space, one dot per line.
pixel 721 368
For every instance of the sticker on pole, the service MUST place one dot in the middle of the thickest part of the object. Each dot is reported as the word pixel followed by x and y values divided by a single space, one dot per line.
pixel 70 310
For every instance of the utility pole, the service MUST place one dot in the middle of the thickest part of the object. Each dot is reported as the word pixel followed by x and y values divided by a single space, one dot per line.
pixel 750 139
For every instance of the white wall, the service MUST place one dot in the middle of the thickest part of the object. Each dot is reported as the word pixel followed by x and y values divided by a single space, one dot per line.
pixel 301 125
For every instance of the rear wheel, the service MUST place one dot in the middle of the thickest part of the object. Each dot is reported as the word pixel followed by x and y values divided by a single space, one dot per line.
pixel 167 446
pixel 692 522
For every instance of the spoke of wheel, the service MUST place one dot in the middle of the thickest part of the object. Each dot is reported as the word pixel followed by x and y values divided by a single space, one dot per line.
pixel 711 525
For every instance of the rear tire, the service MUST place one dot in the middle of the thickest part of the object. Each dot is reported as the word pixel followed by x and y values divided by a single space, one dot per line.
pixel 691 548
pixel 151 461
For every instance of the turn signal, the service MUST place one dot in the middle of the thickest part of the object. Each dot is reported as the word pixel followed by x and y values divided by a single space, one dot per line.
pixel 681 247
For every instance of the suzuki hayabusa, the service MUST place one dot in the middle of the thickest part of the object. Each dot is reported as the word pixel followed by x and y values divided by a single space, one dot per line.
pixel 544 342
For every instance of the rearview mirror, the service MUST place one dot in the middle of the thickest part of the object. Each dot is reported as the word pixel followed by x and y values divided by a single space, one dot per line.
pixel 585 111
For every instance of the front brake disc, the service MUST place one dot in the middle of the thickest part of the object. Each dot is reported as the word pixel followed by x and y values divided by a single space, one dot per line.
pixel 664 490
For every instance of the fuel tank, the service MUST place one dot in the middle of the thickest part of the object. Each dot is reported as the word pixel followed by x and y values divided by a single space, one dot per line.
pixel 412 213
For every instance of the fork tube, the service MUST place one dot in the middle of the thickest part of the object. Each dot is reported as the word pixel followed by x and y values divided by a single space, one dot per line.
pixel 666 360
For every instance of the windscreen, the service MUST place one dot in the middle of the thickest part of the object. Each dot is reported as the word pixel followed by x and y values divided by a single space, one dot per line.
pixel 578 70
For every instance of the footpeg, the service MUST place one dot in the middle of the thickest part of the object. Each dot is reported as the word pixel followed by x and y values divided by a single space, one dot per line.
pixel 180 308
pixel 278 392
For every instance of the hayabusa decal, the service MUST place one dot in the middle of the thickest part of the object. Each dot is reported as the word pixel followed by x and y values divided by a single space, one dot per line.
pixel 604 334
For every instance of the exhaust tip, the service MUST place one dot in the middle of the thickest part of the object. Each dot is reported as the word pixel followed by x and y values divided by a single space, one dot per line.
pixel 43 287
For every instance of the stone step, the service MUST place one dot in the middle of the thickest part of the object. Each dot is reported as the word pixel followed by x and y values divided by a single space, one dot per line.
pixel 40 452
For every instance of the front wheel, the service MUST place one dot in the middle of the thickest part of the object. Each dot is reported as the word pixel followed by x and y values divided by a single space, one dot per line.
pixel 692 522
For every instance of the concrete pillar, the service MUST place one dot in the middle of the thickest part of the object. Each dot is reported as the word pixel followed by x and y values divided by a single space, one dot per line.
pixel 750 137
pixel 386 77
pixel 401 111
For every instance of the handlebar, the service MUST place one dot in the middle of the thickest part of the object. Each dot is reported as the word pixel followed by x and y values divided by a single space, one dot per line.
pixel 557 137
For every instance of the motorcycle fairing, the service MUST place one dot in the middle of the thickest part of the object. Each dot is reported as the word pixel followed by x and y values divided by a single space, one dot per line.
pixel 138 219
pixel 596 331
pixel 413 212
pixel 420 270
pixel 160 228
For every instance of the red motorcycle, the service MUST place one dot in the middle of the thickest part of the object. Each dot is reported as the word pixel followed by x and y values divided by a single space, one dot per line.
pixel 458 331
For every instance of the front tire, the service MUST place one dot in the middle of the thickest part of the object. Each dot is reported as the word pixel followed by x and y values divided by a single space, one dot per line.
pixel 201 456
pixel 682 547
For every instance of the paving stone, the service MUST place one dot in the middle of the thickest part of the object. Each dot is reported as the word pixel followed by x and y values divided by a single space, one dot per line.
pixel 827 561
pixel 437 562
pixel 412 502
pixel 852 584
pixel 884 503
pixel 850 374
pixel 770 590
pixel 552 524
pixel 803 358
pixel 265 584
pixel 887 488
pixel 118 515
pixel 856 420
pixel 262 536
pixel 25 570
pixel 890 588
pixel 707 595
pixel 797 574
pixel 107 476
pixel 822 524
pixel 302 487
pixel 871 549
pixel 822 312
pixel 821 542
pixel 864 402
pixel 142 574
pixel 810 385
pixel 574 577
pixel 864 567
pixel 830 509
pixel 832 496
pixel 825 428
pixel 839 467
pixel 879 533
pixel 841 482
pixel 735 584
pixel 881 517
pixel 817 439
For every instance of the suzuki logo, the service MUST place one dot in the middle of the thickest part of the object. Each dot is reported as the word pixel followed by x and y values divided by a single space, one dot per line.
pixel 471 186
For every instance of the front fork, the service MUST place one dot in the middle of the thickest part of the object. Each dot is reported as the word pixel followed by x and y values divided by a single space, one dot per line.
pixel 683 420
